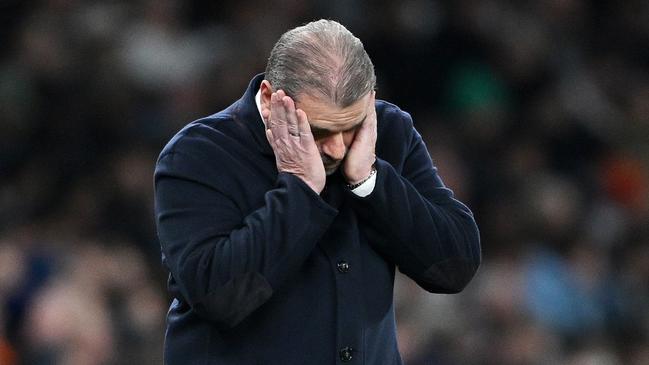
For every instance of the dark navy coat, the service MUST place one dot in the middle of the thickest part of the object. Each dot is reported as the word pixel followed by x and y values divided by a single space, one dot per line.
pixel 265 271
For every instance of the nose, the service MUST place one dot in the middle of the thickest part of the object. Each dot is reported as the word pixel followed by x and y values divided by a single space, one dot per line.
pixel 334 146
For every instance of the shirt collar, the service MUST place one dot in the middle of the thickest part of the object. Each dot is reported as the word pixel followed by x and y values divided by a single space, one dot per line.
pixel 258 102
pixel 246 113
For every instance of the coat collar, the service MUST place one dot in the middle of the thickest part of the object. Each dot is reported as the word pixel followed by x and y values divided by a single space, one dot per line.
pixel 246 112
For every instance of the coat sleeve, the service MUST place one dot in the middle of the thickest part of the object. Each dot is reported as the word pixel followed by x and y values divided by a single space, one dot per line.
pixel 416 222
pixel 226 264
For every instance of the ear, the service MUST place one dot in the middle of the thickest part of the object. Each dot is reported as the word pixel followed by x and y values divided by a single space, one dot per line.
pixel 266 90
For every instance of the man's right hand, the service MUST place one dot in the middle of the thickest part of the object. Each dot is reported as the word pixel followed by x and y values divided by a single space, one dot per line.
pixel 289 134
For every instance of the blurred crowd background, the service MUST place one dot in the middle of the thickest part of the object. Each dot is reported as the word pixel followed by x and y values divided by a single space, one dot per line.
pixel 535 112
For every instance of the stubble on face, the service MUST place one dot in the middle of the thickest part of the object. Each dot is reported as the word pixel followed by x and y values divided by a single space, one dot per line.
pixel 330 165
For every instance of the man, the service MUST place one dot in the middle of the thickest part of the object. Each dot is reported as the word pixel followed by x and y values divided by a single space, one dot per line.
pixel 282 218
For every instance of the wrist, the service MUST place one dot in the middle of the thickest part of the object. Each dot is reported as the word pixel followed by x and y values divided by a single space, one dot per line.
pixel 356 173
pixel 317 188
pixel 354 184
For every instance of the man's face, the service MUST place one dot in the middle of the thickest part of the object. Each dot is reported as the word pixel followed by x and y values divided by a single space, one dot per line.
pixel 333 127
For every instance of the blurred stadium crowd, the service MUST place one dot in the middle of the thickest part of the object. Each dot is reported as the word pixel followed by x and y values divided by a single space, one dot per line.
pixel 536 113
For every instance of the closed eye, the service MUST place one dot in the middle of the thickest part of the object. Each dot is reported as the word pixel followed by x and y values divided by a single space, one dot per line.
pixel 322 133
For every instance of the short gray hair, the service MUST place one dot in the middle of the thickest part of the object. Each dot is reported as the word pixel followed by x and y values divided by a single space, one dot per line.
pixel 321 59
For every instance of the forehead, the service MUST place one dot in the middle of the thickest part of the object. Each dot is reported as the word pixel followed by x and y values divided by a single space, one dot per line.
pixel 325 115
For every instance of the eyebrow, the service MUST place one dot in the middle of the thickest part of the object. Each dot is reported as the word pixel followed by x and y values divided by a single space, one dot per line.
pixel 323 130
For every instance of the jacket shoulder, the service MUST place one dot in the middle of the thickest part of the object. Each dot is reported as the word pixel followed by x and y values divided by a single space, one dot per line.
pixel 395 133
pixel 199 131
pixel 390 116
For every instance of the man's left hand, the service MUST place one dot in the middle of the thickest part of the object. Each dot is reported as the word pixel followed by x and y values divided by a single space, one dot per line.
pixel 361 157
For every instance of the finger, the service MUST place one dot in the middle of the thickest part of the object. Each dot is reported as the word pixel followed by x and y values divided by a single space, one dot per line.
pixel 291 117
pixel 368 129
pixel 369 126
pixel 303 125
pixel 265 114
pixel 306 136
pixel 273 145
pixel 279 103
pixel 278 115
pixel 372 107
pixel 269 137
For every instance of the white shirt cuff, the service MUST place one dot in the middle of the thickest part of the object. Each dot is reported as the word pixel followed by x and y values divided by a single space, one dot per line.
pixel 366 188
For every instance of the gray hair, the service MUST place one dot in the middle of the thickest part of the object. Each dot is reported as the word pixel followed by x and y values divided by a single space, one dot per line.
pixel 321 59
